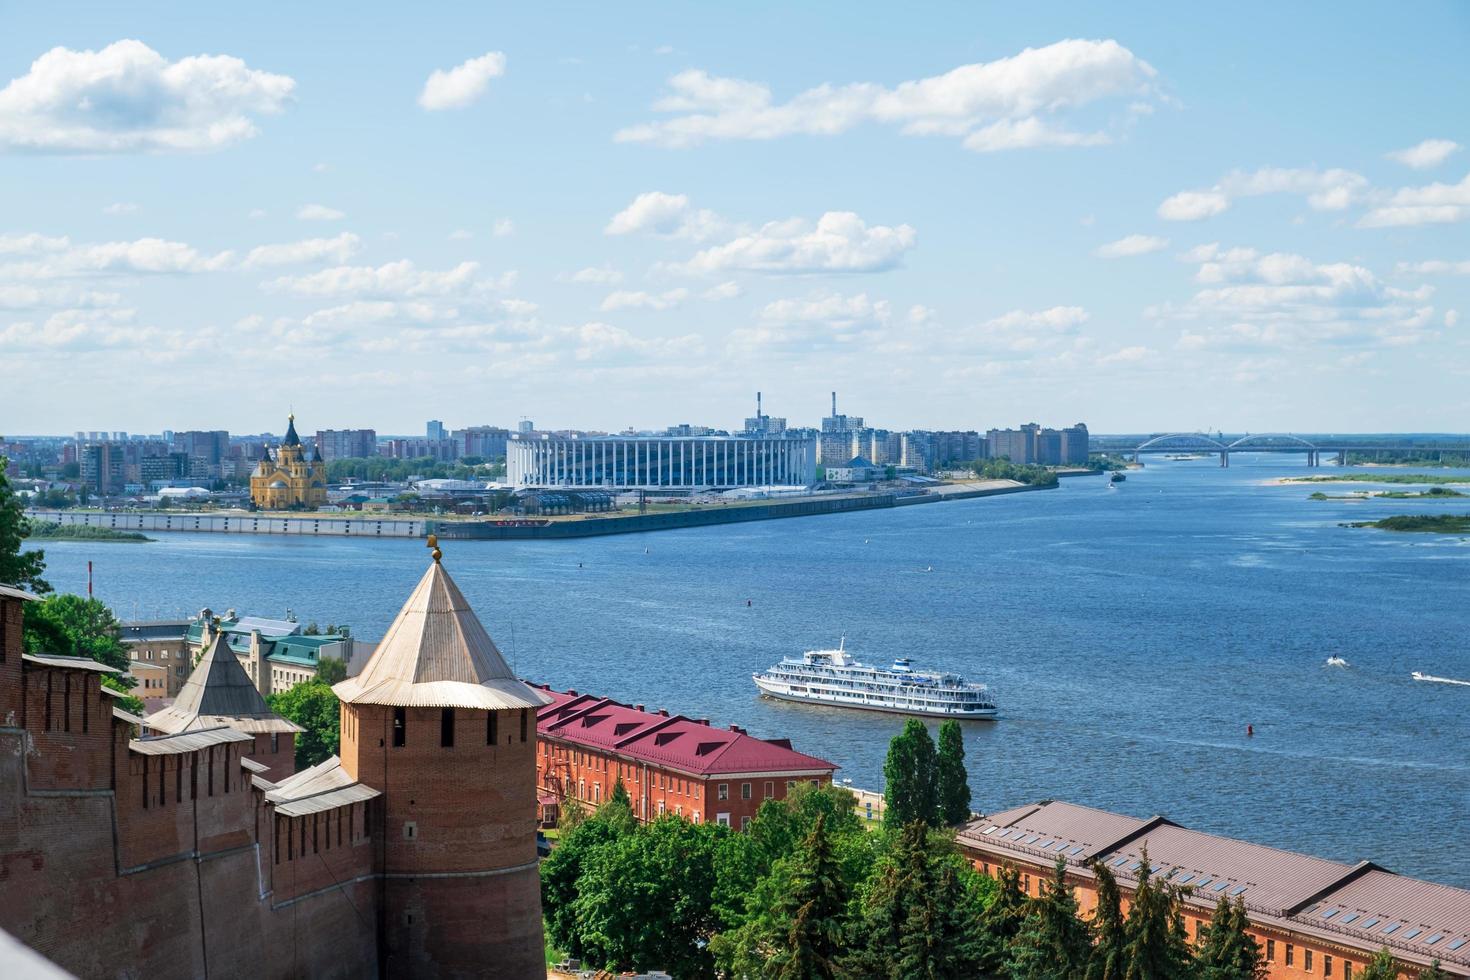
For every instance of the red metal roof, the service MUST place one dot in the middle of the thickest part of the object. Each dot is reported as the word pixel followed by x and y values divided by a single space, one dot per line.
pixel 670 741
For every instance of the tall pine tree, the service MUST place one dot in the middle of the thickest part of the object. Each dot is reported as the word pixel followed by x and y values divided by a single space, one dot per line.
pixel 952 783
pixel 1381 967
pixel 1157 948
pixel 1109 959
pixel 1053 944
pixel 1002 920
pixel 815 910
pixel 909 772
pixel 1228 952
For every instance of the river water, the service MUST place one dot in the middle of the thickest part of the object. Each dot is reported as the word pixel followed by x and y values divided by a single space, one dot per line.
pixel 1129 636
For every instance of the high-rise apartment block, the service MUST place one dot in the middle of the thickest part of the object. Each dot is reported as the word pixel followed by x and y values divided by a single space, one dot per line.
pixel 346 443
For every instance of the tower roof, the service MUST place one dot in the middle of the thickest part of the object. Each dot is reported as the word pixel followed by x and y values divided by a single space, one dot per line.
pixel 316 455
pixel 219 692
pixel 265 453
pixel 436 654
pixel 292 439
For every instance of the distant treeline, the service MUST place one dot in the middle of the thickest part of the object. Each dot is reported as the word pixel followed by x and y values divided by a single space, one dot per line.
pixel 81 532
pixel 1436 523
pixel 1003 469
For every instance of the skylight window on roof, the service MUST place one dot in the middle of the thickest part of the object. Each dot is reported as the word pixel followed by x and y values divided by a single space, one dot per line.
pixel 1369 923
pixel 1222 886
pixel 1410 934
pixel 1003 835
pixel 1237 889
pixel 1120 862
pixel 1347 918
pixel 1135 865
pixel 1391 927
pixel 1458 943
pixel 1077 849
pixel 1330 913
pixel 1045 845
pixel 1434 939
pixel 1032 839
pixel 1203 881
pixel 1184 880
pixel 990 830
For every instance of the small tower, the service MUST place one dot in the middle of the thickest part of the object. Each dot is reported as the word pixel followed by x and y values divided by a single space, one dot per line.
pixel 438 723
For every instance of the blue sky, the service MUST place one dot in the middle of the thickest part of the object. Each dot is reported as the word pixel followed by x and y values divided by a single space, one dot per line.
pixel 1252 218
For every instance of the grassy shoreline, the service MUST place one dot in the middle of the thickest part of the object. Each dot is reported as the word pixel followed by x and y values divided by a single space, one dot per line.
pixel 1433 493
pixel 1396 478
pixel 51 531
pixel 1419 523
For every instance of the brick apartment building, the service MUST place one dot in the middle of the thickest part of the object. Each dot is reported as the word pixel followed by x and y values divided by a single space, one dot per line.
pixel 669 764
pixel 412 853
pixel 1311 917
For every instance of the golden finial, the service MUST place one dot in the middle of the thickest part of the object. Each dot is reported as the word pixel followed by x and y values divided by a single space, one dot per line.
pixel 434 544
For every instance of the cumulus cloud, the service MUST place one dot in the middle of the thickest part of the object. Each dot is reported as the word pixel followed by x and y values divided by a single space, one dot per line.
pixel 840 241
pixel 503 227
pixel 393 280
pixel 669 215
pixel 1325 190
pixel 602 341
pixel 1432 204
pixel 59 258
pixel 824 320
pixel 121 207
pixel 32 244
pixel 338 249
pixel 1278 300
pixel 1436 267
pixel 462 85
pixel 724 291
pixel 600 275
pixel 1055 319
pixel 1422 156
pixel 129 98
pixel 319 212
pixel 1001 104
pixel 623 299
pixel 1131 245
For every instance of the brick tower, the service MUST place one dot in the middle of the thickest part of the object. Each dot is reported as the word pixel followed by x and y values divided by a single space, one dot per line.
pixel 437 721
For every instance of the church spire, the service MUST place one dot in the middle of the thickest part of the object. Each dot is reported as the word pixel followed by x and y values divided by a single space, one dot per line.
pixel 292 439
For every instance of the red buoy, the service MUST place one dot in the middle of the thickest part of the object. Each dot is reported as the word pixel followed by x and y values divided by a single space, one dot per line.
pixel 1250 731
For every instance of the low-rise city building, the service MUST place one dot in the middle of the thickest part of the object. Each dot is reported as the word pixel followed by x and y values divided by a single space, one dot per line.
pixel 1311 917
pixel 669 764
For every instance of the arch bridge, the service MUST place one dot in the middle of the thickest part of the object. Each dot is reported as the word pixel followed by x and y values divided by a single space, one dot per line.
pixel 1198 442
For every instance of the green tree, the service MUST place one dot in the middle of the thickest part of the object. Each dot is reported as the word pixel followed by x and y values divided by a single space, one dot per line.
pixel 127 702
pixel 1157 948
pixel 619 795
pixel 1053 943
pixel 330 670
pixel 1433 972
pixel 909 772
pixel 312 629
pixel 314 707
pixel 952 782
pixel 1109 959
pixel 1228 952
pixel 20 569
pixel 1381 967
pixel 1002 920
pixel 815 910
pixel 561 872
pixel 74 626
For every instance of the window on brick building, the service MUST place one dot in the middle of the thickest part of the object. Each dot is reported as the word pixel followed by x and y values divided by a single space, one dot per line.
pixel 446 728
pixel 723 792
pixel 744 823
pixel 400 727
pixel 1290 954
pixel 1347 970
pixel 770 789
pixel 745 791
pixel 1307 960
pixel 275 742
pixel 1326 965
pixel 491 735
pixel 1270 951
pixel 523 724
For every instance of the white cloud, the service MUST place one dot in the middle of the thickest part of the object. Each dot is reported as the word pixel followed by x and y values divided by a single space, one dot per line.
pixel 1193 205
pixel 1431 204
pixel 32 244
pixel 503 227
pixel 462 85
pixel 623 299
pixel 1436 267
pixel 143 256
pixel 1056 319
pixel 1276 301
pixel 724 291
pixel 1127 355
pixel 256 214
pixel 825 320
pixel 996 105
pixel 1451 317
pixel 600 341
pixel 338 249
pixel 319 212
pixel 1422 156
pixel 669 215
pixel 1325 190
pixel 839 242
pixel 601 275
pixel 121 207
pixel 394 280
pixel 129 98
pixel 1131 245
pixel 461 235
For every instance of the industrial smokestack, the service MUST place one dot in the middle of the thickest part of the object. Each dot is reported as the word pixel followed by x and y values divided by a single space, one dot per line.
pixel 834 404
pixel 757 404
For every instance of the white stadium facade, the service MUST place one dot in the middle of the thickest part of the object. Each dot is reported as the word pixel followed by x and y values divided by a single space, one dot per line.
pixel 659 462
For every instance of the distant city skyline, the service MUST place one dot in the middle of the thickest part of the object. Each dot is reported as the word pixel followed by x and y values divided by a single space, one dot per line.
pixel 955 217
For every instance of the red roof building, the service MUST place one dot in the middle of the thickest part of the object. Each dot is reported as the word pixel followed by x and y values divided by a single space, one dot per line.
pixel 668 763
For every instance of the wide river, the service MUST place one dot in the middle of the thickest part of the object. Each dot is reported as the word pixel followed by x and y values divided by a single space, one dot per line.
pixel 1129 636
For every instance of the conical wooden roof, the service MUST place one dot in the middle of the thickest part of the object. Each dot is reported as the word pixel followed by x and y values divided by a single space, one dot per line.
pixel 219 692
pixel 436 654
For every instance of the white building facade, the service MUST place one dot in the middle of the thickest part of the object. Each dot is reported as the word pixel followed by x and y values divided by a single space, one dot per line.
pixel 659 462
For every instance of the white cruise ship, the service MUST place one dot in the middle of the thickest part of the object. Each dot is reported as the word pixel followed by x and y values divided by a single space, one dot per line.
pixel 833 677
